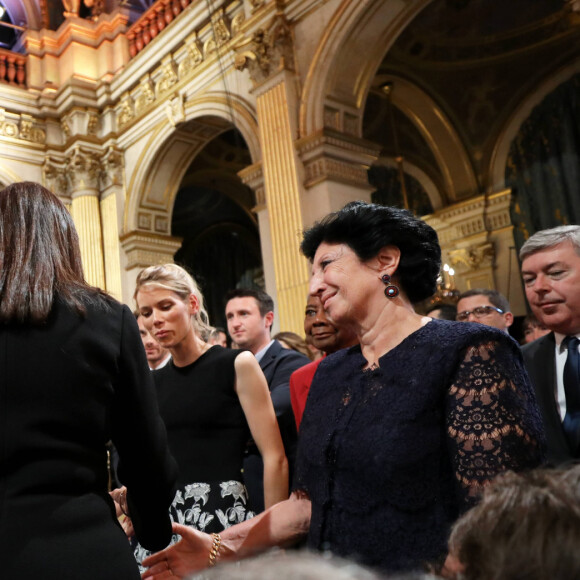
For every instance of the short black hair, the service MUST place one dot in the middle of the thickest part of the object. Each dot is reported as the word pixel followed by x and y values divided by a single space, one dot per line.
pixel 265 302
pixel 368 227
pixel 495 298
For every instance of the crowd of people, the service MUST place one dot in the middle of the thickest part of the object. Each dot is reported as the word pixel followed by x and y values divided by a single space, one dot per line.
pixel 405 445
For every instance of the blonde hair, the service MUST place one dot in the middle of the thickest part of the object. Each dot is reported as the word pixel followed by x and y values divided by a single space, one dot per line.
pixel 178 280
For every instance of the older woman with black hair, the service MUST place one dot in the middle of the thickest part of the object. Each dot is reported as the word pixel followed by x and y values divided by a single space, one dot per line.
pixel 401 432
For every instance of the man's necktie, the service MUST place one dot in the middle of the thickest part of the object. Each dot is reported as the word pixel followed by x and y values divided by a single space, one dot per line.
pixel 572 390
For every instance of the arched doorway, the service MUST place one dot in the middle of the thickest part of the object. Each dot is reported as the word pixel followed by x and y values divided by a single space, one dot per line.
pixel 212 213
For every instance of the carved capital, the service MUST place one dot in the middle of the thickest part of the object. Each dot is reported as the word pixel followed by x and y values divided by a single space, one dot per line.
pixel 54 176
pixel 83 170
pixel 147 249
pixel 473 257
pixel 268 50
pixel 112 168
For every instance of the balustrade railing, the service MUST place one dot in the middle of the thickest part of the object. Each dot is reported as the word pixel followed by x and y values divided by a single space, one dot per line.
pixel 152 22
pixel 12 68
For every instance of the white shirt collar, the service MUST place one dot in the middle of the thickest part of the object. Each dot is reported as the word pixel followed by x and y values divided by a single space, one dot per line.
pixel 260 354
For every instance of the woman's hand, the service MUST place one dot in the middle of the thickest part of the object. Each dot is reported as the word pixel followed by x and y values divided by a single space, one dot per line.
pixel 119 496
pixel 191 553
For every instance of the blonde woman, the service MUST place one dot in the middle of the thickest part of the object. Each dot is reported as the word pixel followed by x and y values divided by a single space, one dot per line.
pixel 211 399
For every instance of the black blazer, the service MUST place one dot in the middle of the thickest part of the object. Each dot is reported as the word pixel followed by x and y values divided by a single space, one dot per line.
pixel 66 388
pixel 540 360
pixel 277 364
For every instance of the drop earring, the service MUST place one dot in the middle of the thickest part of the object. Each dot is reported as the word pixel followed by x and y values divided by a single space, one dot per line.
pixel 391 291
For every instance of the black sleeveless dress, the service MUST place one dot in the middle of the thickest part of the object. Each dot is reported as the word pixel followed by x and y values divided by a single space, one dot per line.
pixel 391 457
pixel 207 432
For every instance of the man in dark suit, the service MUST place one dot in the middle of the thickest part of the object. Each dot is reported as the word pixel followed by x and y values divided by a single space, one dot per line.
pixel 249 314
pixel 551 274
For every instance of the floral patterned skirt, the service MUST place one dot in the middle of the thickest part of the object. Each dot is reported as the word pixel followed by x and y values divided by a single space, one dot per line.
pixel 208 507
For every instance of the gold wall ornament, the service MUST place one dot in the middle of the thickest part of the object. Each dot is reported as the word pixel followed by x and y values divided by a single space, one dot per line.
pixel 126 111
pixel 220 30
pixel 64 127
pixel 146 95
pixel 237 23
pixel 168 76
pixel 175 109
pixel 93 123
pixel 22 126
pixel 209 47
pixel 473 257
pixel 193 56
pixel 267 51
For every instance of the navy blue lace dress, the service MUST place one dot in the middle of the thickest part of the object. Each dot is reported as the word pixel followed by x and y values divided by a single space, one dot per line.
pixel 390 457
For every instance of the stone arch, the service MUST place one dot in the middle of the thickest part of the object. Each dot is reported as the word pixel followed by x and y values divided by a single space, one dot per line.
pixel 440 135
pixel 152 189
pixel 512 126
pixel 378 22
pixel 345 94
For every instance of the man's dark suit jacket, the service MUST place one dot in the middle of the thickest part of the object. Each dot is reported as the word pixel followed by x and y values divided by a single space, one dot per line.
pixel 540 360
pixel 277 364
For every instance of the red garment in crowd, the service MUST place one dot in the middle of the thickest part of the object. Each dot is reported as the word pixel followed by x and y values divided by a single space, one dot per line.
pixel 300 381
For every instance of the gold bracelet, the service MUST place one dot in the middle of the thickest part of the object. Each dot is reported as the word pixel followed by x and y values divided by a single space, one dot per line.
pixel 215 548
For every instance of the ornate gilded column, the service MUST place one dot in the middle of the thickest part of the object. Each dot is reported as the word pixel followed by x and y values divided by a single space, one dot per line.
pixel 112 203
pixel 83 172
pixel 268 56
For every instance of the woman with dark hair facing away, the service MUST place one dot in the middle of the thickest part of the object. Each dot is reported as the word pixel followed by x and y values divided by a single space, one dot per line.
pixel 211 399
pixel 73 375
pixel 401 432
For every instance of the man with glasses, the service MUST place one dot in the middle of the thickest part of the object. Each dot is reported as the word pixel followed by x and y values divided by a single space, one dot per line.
pixel 486 307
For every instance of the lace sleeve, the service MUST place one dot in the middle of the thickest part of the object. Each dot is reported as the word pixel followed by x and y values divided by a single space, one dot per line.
pixel 493 423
